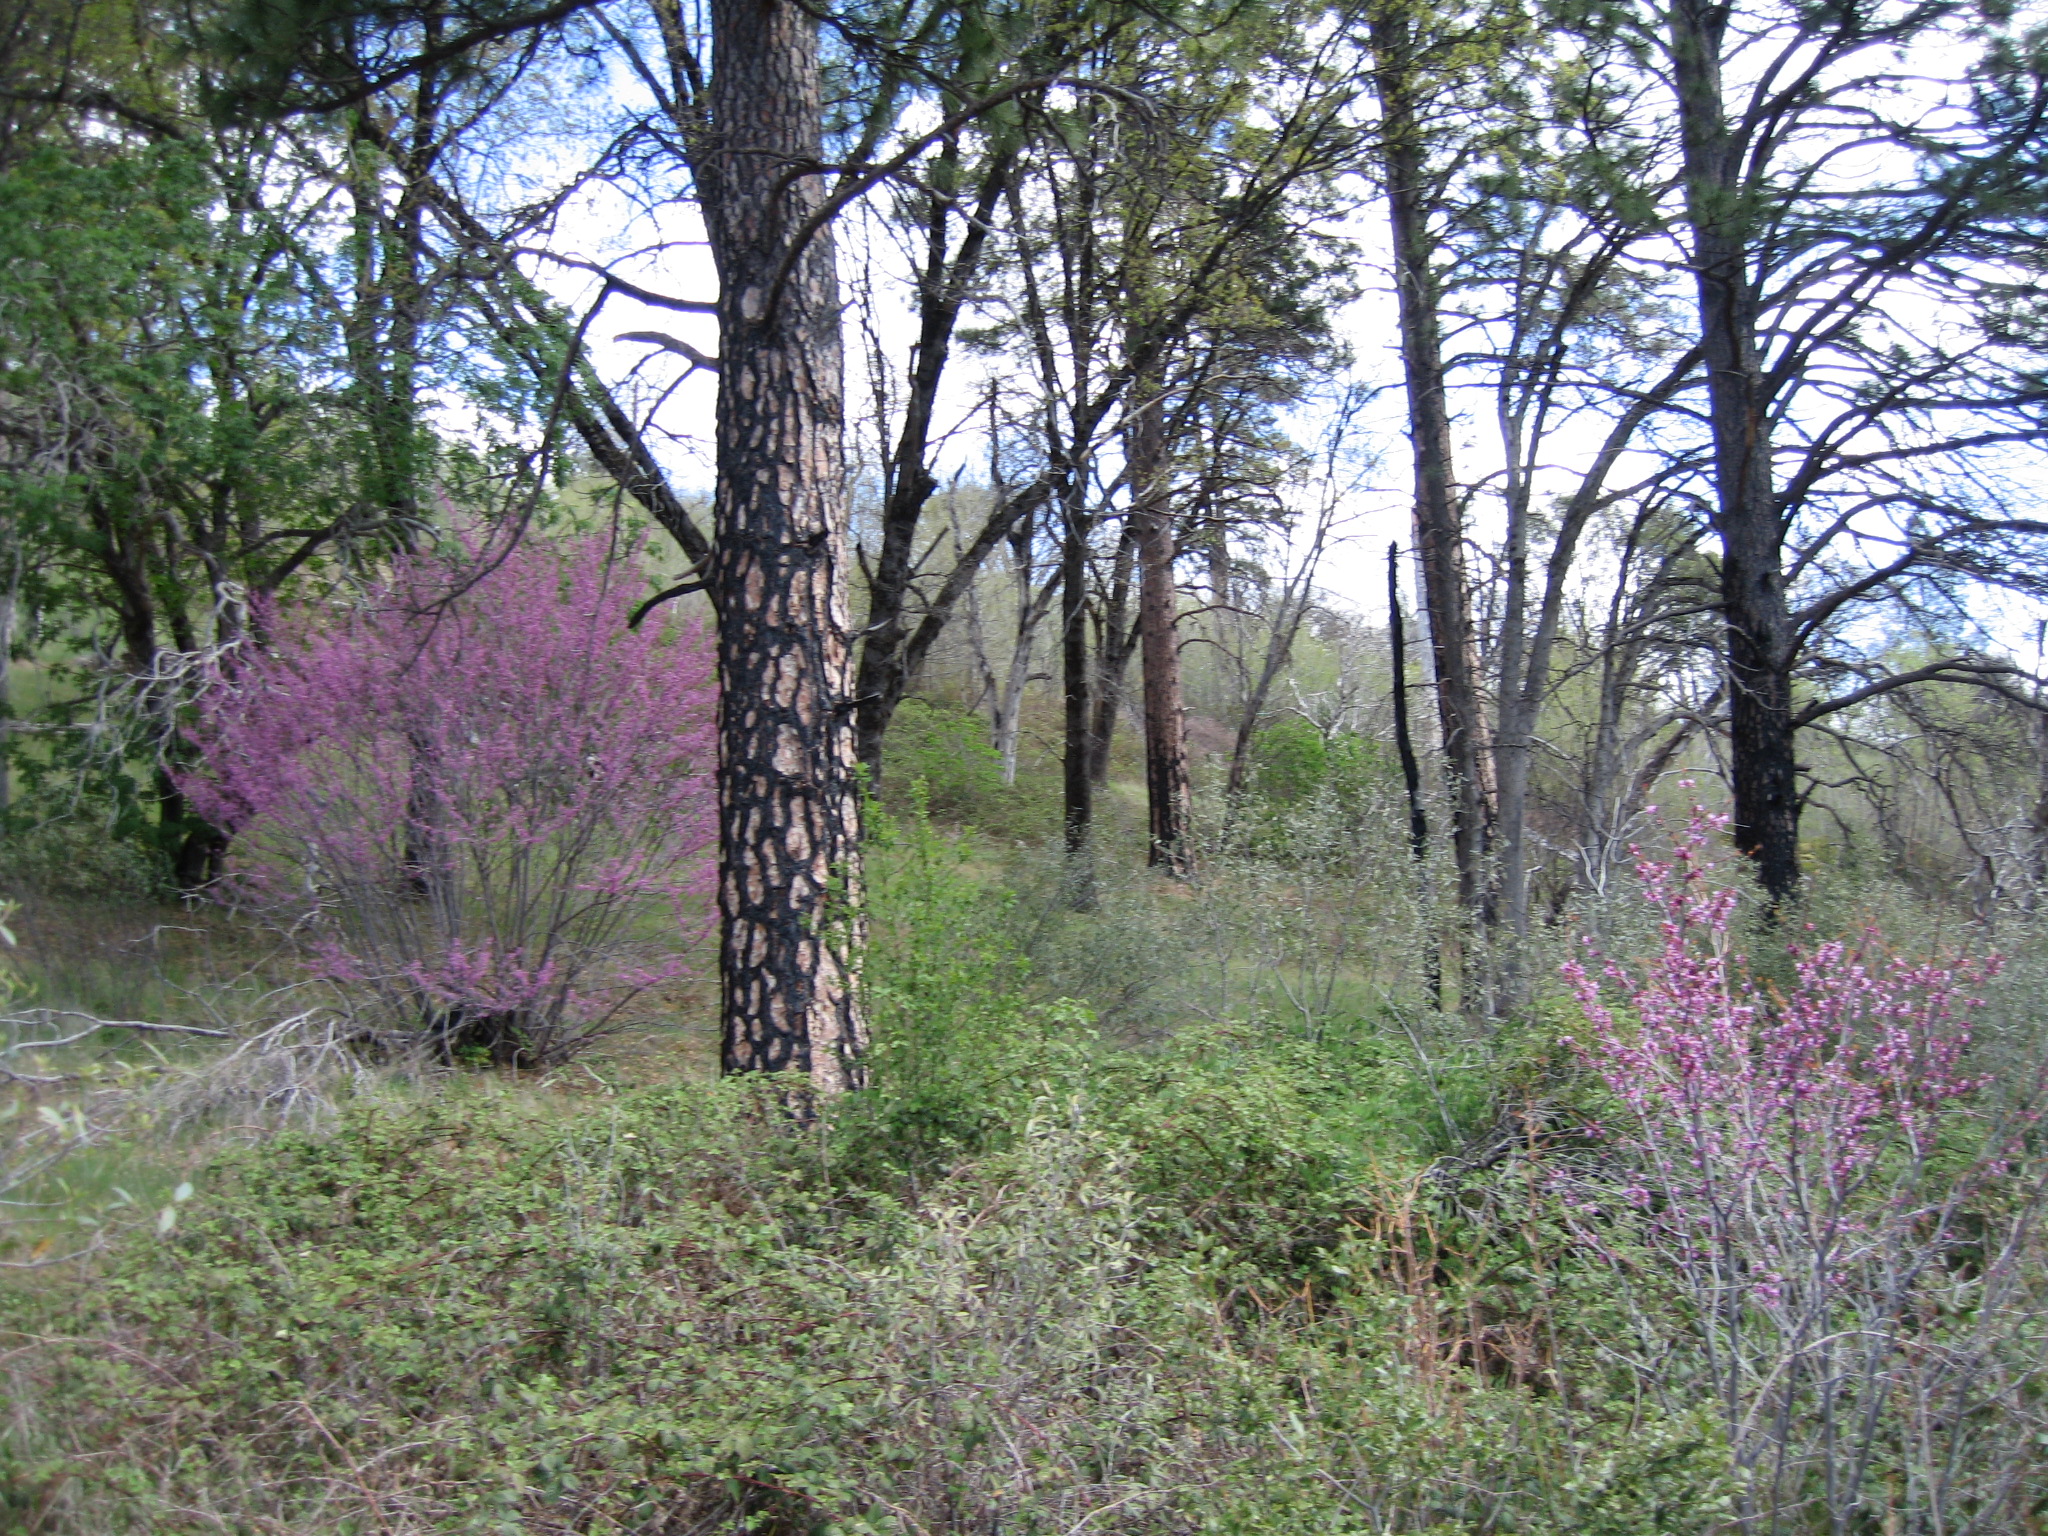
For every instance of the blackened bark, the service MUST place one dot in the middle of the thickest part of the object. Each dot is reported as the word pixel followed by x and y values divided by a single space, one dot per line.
pixel 1078 807
pixel 1115 642
pixel 190 846
pixel 2037 849
pixel 886 666
pixel 1758 618
pixel 789 805
pixel 1167 794
pixel 1439 533
pixel 1404 739
pixel 1411 771
pixel 10 598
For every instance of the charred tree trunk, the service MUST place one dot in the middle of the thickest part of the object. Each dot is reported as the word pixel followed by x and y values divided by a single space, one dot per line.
pixel 1168 797
pixel 188 844
pixel 1115 642
pixel 1758 618
pixel 789 803
pixel 10 604
pixel 2037 842
pixel 1411 776
pixel 1078 808
pixel 1404 739
pixel 1439 534
pixel 886 666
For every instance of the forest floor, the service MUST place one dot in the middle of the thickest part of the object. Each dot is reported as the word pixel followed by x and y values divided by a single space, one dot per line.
pixel 1186 1215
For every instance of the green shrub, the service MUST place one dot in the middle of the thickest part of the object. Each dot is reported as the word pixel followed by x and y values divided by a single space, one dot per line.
pixel 937 761
pixel 668 1313
pixel 945 749
pixel 957 1051
pixel 1294 761
pixel 81 857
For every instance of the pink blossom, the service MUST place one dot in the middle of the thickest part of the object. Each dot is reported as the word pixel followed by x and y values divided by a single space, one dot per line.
pixel 1776 1150
pixel 1799 1091
pixel 491 797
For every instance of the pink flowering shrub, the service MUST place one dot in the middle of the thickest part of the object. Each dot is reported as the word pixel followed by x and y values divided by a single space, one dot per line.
pixel 488 801
pixel 1807 1163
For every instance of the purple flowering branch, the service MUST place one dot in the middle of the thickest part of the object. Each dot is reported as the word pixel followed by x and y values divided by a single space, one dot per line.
pixel 1799 1160
pixel 494 797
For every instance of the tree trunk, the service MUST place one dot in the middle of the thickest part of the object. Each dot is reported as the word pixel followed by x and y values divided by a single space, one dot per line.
pixel 1521 683
pixel 1439 535
pixel 1167 794
pixel 1114 645
pixel 789 805
pixel 1758 619
pixel 10 604
pixel 1078 807
pixel 1525 670
pixel 382 336
pixel 1007 725
pixel 2037 843
pixel 1411 779
pixel 1216 550
pixel 1404 741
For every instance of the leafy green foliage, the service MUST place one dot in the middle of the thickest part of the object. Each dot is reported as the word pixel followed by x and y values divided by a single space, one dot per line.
pixel 1027 1281
pixel 484 1315
pixel 940 763
pixel 163 415
pixel 1294 761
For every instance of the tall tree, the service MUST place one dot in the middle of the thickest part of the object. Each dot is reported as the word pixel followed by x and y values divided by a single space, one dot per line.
pixel 1405 53
pixel 745 104
pixel 952 191
pixel 1168 794
pixel 1804 274
pixel 789 795
pixel 1170 270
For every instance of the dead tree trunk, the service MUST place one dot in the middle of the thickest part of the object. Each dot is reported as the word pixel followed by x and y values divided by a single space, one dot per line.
pixel 1033 602
pixel 1439 534
pixel 1168 797
pixel 1078 798
pixel 1115 642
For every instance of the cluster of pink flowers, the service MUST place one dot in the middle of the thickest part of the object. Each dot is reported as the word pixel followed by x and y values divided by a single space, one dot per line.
pixel 1801 1161
pixel 495 798
pixel 1734 1085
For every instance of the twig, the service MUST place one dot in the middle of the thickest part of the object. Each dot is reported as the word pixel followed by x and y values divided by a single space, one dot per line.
pixel 37 1017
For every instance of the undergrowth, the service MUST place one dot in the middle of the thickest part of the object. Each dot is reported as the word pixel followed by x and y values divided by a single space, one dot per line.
pixel 1250 1279
pixel 673 1312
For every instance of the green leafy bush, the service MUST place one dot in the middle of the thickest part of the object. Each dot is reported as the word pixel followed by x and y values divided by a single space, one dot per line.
pixel 1293 762
pixel 668 1313
pixel 82 858
pixel 938 762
